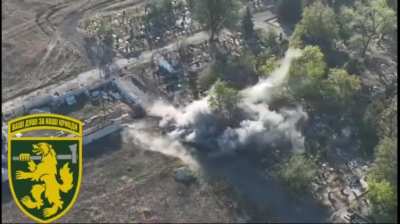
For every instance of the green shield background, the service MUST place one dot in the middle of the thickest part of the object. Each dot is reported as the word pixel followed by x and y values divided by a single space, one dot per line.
pixel 23 187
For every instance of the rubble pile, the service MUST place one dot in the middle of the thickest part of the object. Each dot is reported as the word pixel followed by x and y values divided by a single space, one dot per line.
pixel 343 190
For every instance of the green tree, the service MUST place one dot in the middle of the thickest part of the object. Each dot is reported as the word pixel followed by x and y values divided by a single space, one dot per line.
pixel 383 197
pixel 340 87
pixel 106 46
pixel 379 121
pixel 160 18
pixel 224 100
pixel 298 172
pixel 268 66
pixel 307 72
pixel 369 21
pixel 318 26
pixel 337 4
pixel 289 10
pixel 216 14
pixel 345 32
pixel 246 60
pixel 387 19
pixel 386 120
pixel 385 164
pixel 248 25
pixel 207 78
pixel 269 40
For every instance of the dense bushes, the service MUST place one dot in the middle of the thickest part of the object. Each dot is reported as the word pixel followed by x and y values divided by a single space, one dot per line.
pixel 340 87
pixel 310 79
pixel 382 181
pixel 289 11
pixel 298 172
pixel 223 100
pixel 318 26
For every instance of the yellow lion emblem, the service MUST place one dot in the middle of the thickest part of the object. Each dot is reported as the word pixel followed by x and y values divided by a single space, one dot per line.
pixel 44 174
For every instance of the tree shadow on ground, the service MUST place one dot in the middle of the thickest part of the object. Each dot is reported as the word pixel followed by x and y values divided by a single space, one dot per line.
pixel 265 198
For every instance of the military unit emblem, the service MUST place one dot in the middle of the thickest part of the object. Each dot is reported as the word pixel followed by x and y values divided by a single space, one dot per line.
pixel 45 171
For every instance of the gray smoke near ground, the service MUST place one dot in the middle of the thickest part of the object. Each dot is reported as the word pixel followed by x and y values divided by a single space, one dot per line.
pixel 259 127
pixel 139 134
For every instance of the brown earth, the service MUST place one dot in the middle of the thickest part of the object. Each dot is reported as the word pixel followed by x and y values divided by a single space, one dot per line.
pixel 123 183
pixel 40 42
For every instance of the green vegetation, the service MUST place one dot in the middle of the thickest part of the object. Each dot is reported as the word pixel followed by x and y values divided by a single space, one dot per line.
pixel 382 177
pixel 383 198
pixel 105 49
pixel 335 37
pixel 306 74
pixel 268 67
pixel 224 100
pixel 366 22
pixel 269 41
pixel 378 122
pixel 387 120
pixel 381 118
pixel 385 166
pixel 327 79
pixel 237 70
pixel 248 25
pixel 310 79
pixel 382 194
pixel 246 60
pixel 310 64
pixel 216 14
pixel 340 87
pixel 318 26
pixel 206 79
pixel 326 31
pixel 289 10
pixel 298 172
pixel 161 17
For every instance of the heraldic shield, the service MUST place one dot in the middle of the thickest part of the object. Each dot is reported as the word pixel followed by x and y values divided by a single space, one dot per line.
pixel 45 164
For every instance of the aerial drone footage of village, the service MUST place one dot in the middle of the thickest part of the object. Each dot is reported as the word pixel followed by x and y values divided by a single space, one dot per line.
pixel 211 111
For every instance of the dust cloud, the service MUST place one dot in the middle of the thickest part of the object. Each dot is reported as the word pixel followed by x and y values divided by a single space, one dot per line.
pixel 196 123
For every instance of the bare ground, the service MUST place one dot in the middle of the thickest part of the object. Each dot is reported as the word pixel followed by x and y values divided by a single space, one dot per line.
pixel 123 183
pixel 40 43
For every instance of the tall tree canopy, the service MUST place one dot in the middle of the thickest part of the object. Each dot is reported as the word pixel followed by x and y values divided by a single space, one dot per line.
pixel 318 26
pixel 216 14
pixel 307 72
pixel 289 10
pixel 368 22
pixel 298 172
pixel 340 87
pixel 223 99
pixel 248 25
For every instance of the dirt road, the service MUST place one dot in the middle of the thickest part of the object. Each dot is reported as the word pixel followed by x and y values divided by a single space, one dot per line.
pixel 41 45
pixel 92 75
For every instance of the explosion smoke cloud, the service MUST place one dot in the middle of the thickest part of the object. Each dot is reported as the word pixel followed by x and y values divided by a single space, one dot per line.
pixel 261 126
pixel 138 134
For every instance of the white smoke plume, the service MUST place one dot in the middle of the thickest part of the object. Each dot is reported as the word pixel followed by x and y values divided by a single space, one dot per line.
pixel 153 141
pixel 264 89
pixel 261 126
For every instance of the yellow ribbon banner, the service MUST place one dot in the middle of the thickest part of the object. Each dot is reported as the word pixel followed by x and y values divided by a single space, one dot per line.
pixel 45 121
